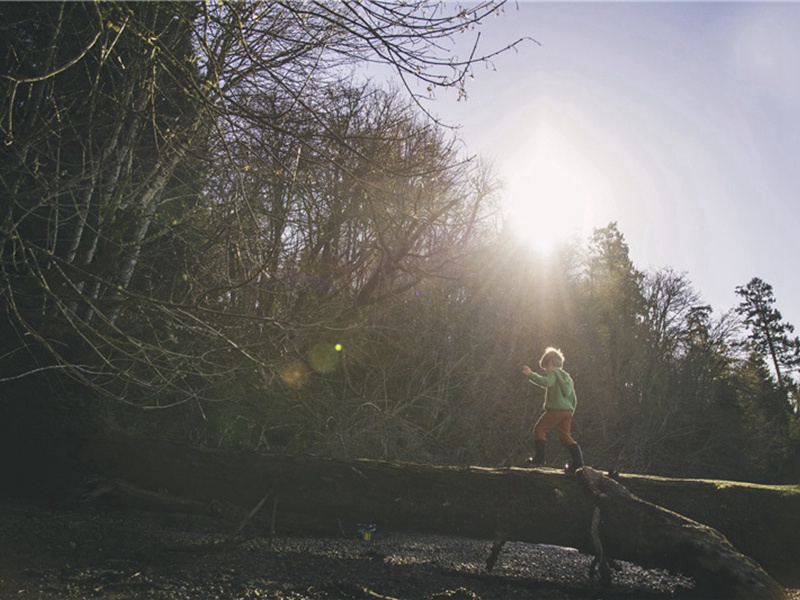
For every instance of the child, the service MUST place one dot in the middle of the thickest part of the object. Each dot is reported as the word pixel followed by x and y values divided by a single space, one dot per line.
pixel 559 406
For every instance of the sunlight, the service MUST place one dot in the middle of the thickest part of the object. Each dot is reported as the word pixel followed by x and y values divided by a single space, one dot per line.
pixel 557 193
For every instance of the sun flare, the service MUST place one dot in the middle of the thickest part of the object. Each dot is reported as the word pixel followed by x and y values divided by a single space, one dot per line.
pixel 559 194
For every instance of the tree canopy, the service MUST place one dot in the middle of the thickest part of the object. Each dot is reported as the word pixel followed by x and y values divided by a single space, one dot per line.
pixel 211 223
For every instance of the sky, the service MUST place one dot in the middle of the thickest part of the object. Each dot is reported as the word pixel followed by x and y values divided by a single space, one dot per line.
pixel 680 121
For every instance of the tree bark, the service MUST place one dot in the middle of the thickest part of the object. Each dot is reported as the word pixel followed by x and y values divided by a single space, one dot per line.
pixel 763 521
pixel 527 505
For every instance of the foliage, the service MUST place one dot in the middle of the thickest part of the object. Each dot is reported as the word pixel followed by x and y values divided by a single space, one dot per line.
pixel 209 221
pixel 177 175
pixel 769 334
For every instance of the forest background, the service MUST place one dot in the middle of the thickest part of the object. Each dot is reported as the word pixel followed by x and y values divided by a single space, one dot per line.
pixel 213 232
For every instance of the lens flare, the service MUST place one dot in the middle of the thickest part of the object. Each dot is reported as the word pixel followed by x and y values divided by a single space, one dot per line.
pixel 295 374
pixel 324 357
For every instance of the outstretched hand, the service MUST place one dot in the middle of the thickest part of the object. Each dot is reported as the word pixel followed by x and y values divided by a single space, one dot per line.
pixel 526 370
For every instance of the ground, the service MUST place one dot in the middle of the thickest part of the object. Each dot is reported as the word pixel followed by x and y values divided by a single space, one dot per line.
pixel 96 551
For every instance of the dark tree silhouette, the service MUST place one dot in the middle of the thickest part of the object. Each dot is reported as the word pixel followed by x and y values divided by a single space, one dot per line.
pixel 769 333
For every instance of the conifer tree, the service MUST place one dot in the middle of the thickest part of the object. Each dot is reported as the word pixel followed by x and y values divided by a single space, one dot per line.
pixel 769 333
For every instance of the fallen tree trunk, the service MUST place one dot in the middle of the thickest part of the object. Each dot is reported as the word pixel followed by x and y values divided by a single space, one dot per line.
pixel 763 521
pixel 589 512
pixel 652 536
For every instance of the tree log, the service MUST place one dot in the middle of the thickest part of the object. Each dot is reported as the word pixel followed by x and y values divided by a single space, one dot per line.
pixel 527 505
pixel 763 521
pixel 651 536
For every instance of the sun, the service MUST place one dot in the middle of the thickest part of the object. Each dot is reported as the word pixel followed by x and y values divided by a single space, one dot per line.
pixel 556 192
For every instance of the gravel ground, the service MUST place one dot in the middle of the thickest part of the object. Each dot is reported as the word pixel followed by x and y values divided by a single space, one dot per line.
pixel 104 552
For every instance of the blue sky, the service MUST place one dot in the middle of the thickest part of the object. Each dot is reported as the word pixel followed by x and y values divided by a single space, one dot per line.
pixel 678 120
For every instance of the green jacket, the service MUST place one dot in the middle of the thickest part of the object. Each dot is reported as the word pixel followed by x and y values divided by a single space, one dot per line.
pixel 559 389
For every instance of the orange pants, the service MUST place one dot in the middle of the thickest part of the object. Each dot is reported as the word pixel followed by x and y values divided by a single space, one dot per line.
pixel 561 420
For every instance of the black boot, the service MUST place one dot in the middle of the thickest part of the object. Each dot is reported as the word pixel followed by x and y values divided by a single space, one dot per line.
pixel 577 458
pixel 539 458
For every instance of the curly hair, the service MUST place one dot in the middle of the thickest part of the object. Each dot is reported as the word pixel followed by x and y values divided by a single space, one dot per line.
pixel 552 357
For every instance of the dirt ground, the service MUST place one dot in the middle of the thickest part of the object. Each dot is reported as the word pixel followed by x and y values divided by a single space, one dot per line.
pixel 97 551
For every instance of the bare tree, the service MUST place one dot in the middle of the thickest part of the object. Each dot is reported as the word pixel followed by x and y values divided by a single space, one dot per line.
pixel 126 135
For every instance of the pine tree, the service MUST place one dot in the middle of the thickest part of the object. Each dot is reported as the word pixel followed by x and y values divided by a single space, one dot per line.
pixel 769 333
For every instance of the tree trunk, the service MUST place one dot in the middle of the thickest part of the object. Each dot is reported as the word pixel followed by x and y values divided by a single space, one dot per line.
pixel 763 521
pixel 590 511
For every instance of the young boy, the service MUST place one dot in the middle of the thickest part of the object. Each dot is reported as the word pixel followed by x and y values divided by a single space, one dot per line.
pixel 560 402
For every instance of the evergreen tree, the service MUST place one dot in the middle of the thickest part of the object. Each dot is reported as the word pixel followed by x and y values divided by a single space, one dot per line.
pixel 769 333
pixel 610 312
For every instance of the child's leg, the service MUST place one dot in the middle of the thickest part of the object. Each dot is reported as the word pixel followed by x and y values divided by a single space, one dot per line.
pixel 577 458
pixel 563 427
pixel 546 422
pixel 565 437
pixel 543 425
